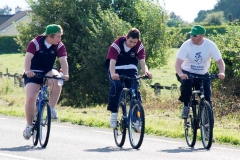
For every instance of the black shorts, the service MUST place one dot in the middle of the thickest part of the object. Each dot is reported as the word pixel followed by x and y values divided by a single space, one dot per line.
pixel 35 80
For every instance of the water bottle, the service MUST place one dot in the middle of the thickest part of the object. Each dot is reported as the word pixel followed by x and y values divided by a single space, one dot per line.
pixel 60 81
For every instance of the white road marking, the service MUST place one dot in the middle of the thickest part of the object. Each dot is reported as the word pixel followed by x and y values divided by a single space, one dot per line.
pixel 17 157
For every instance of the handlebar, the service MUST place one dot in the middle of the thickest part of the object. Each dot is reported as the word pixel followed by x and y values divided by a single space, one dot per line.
pixel 133 78
pixel 39 75
pixel 210 76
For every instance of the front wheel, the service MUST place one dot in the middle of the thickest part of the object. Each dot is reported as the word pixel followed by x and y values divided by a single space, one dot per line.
pixel 44 124
pixel 120 131
pixel 136 124
pixel 206 119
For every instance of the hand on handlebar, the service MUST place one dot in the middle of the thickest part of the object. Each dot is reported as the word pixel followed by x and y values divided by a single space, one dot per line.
pixel 183 76
pixel 65 77
pixel 148 74
pixel 115 76
pixel 221 75
pixel 29 74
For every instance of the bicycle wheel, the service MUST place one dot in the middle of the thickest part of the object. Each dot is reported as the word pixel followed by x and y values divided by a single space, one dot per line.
pixel 206 125
pixel 120 132
pixel 190 127
pixel 35 132
pixel 44 124
pixel 136 124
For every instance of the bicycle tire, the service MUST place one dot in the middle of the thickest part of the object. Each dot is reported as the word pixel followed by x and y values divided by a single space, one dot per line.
pixel 35 132
pixel 206 124
pixel 190 127
pixel 44 123
pixel 35 128
pixel 136 124
pixel 120 132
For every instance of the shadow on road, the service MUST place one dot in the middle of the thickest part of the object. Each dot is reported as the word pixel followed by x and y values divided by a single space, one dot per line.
pixel 108 149
pixel 21 148
pixel 182 149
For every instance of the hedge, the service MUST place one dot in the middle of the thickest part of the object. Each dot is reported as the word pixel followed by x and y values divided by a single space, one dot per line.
pixel 8 45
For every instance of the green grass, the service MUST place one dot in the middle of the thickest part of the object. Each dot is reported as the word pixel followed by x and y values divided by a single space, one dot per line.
pixel 12 62
pixel 162 112
pixel 166 74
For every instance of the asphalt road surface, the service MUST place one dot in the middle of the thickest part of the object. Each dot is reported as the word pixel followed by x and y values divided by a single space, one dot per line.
pixel 76 142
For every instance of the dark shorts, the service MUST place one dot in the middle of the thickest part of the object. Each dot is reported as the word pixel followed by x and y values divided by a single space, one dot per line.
pixel 35 80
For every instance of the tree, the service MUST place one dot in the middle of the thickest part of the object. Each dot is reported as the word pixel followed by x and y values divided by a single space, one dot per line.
pixel 5 10
pixel 157 37
pixel 215 18
pixel 228 7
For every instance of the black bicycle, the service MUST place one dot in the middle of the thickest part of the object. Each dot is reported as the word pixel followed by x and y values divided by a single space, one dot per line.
pixel 134 120
pixel 42 118
pixel 200 115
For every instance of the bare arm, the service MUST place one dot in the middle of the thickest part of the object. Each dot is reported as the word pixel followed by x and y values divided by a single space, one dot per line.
pixel 27 64
pixel 145 68
pixel 64 67
pixel 178 69
pixel 113 73
pixel 221 67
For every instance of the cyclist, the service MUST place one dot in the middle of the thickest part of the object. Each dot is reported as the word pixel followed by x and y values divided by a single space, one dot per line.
pixel 194 56
pixel 40 57
pixel 122 59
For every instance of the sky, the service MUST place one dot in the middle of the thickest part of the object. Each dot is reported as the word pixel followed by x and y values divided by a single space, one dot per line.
pixel 186 9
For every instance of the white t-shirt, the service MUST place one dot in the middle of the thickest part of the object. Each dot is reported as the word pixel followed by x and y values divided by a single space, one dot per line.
pixel 197 58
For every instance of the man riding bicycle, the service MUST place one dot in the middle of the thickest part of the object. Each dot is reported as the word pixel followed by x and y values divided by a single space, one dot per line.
pixel 194 57
pixel 40 57
pixel 122 59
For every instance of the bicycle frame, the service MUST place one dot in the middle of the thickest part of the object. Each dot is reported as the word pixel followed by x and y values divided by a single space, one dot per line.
pixel 124 99
pixel 42 96
pixel 202 98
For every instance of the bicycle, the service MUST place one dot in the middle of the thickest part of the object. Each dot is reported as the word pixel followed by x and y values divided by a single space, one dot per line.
pixel 42 117
pixel 200 115
pixel 134 120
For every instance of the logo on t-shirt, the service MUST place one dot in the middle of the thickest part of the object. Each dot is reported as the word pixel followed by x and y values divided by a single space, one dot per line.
pixel 198 58
pixel 132 54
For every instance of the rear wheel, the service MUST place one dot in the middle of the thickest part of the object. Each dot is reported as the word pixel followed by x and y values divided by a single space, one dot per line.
pixel 120 131
pixel 136 124
pixel 44 124
pixel 190 128
pixel 206 118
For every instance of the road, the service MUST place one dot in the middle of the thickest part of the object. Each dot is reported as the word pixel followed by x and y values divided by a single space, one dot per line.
pixel 76 142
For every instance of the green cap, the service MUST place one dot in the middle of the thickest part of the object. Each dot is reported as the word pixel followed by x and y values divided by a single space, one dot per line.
pixel 197 29
pixel 52 29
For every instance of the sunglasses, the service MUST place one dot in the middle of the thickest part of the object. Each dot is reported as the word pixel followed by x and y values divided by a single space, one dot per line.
pixel 194 35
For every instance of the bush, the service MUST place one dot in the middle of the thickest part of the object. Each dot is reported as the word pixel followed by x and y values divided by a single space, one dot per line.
pixel 8 44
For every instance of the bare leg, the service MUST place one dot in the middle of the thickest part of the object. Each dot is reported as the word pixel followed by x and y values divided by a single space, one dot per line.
pixel 32 90
pixel 55 89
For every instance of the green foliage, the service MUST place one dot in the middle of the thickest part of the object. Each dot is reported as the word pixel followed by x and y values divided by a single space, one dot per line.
pixel 214 18
pixel 157 37
pixel 229 44
pixel 228 7
pixel 8 44
pixel 202 14
pixel 6 10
